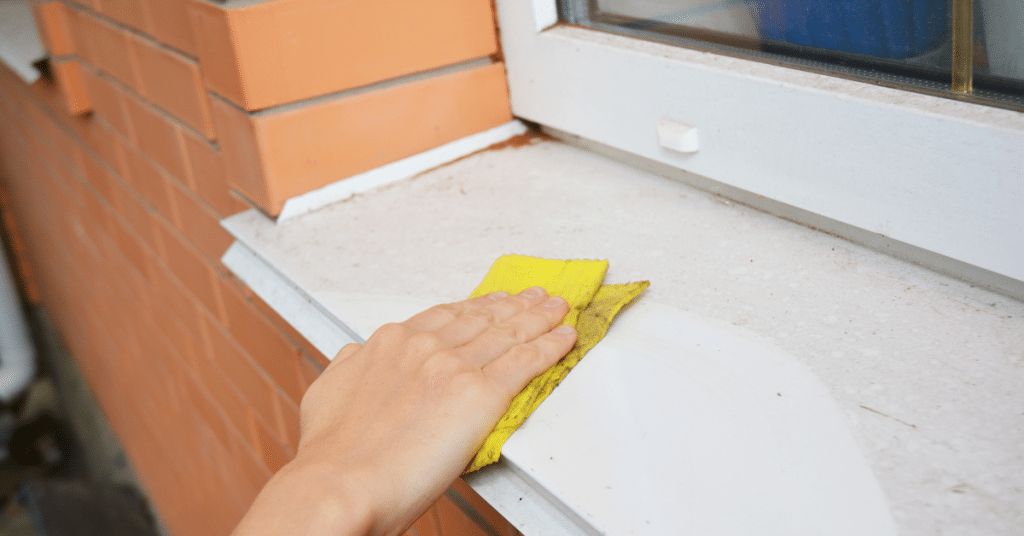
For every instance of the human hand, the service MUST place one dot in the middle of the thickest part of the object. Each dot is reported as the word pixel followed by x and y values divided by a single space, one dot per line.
pixel 390 424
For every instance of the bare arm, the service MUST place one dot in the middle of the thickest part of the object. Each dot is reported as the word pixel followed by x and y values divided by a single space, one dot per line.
pixel 390 424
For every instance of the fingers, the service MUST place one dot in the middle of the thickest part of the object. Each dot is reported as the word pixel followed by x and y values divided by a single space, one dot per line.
pixel 441 315
pixel 497 339
pixel 523 362
pixel 472 323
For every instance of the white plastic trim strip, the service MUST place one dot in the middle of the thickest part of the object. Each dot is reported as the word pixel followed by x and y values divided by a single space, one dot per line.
pixel 322 329
pixel 396 171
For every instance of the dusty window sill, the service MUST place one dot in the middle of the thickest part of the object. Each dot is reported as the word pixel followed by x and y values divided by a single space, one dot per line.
pixel 922 370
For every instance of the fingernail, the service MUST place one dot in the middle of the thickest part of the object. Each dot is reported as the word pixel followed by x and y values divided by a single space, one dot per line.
pixel 495 296
pixel 553 302
pixel 564 329
pixel 534 292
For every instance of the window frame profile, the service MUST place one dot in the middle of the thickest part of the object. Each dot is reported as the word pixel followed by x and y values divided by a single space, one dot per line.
pixel 939 174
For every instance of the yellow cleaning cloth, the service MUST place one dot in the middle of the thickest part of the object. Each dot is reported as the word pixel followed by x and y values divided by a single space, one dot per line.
pixel 592 306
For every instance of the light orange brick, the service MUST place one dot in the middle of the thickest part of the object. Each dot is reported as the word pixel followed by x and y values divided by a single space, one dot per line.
pixel 172 81
pixel 317 357
pixel 273 156
pixel 270 53
pixel 105 141
pixel 127 12
pixel 239 369
pixel 199 224
pixel 156 137
pixel 206 176
pixel 71 82
pixel 454 521
pixel 108 48
pixel 168 21
pixel 107 101
pixel 53 21
pixel 152 184
pixel 273 452
pixel 275 354
pixel 290 420
pixel 188 265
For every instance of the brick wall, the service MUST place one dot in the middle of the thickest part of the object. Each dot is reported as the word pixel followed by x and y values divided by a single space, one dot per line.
pixel 114 174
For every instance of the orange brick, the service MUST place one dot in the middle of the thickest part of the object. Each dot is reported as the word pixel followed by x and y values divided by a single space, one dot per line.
pixel 173 82
pixel 168 21
pixel 127 12
pixel 290 420
pixel 108 48
pixel 429 524
pixel 240 371
pixel 252 467
pixel 229 401
pixel 277 50
pixel 156 137
pixel 188 266
pixel 53 21
pixel 100 178
pixel 282 324
pixel 274 353
pixel 152 184
pixel 306 148
pixel 215 48
pixel 107 143
pixel 209 411
pixel 107 101
pixel 206 176
pixel 131 207
pixel 178 302
pixel 241 153
pixel 199 224
pixel 274 454
pixel 310 370
pixel 131 247
pixel 454 521
pixel 71 82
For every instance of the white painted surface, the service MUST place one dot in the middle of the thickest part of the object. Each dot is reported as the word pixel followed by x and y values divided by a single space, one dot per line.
pixel 545 14
pixel 925 370
pixel 20 45
pixel 17 353
pixel 936 173
pixel 673 425
pixel 396 171
pixel 678 137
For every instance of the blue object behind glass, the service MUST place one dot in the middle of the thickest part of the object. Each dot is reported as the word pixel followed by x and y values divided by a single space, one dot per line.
pixel 895 29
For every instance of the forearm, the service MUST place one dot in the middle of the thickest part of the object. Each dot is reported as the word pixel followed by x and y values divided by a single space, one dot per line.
pixel 307 498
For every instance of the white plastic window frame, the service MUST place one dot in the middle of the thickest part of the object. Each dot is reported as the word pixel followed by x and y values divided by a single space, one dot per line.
pixel 940 174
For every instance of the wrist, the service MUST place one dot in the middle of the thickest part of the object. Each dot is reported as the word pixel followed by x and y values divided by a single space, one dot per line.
pixel 335 503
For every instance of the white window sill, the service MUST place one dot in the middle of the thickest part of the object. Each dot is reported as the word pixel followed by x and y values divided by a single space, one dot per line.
pixel 20 46
pixel 882 369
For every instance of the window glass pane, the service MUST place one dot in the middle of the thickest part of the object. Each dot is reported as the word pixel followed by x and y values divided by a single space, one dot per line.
pixel 902 43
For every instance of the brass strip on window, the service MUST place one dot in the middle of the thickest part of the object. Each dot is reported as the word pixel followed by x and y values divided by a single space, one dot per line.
pixel 963 46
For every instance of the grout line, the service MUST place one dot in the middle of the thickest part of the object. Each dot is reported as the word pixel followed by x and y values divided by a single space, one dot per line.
pixel 463 505
pixel 376 86
pixel 134 31
pixel 163 113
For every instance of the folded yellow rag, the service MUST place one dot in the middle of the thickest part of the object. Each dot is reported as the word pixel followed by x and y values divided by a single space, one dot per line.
pixel 592 306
